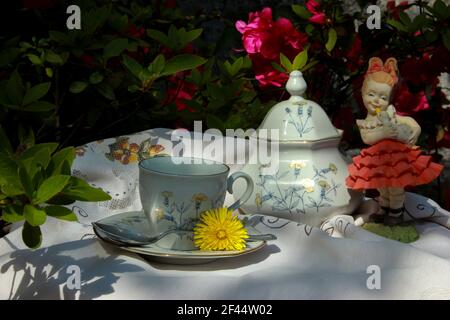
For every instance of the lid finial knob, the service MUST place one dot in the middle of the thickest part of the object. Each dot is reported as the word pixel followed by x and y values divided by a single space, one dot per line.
pixel 296 85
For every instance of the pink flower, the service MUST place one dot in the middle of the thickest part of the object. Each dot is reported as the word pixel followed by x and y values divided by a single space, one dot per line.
pixel 272 78
pixel 264 39
pixel 407 102
pixel 267 37
pixel 318 17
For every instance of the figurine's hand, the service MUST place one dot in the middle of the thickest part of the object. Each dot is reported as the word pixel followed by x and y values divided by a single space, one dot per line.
pixel 412 140
pixel 391 132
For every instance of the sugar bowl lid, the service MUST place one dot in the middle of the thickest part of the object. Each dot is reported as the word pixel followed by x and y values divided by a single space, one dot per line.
pixel 298 119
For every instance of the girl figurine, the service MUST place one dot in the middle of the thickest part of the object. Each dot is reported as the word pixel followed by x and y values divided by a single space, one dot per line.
pixel 392 161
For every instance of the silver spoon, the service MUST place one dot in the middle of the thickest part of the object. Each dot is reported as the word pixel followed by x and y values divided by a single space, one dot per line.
pixel 125 237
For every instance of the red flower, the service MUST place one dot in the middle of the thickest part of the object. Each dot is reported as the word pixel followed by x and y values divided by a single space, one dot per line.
pixel 353 55
pixel 318 16
pixel 264 39
pixel 407 102
pixel 421 71
pixel 395 9
pixel 135 32
pixel 88 60
pixel 170 4
pixel 181 92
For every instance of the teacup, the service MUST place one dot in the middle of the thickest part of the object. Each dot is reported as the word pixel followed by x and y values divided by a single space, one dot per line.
pixel 174 191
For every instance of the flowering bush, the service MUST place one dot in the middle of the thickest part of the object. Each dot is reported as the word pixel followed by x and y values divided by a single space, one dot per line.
pixel 137 64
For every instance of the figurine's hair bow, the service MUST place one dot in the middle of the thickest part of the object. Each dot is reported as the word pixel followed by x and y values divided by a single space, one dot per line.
pixel 390 67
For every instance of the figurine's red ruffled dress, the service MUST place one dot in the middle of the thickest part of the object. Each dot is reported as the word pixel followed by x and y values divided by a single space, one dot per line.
pixel 391 163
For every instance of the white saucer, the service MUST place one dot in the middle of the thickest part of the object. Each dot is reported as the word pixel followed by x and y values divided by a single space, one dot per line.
pixel 162 250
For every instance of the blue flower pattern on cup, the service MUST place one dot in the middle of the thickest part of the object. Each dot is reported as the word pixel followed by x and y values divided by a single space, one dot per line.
pixel 296 199
pixel 301 124
pixel 172 209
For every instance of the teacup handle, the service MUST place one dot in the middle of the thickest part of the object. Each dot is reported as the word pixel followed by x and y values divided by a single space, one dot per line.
pixel 248 192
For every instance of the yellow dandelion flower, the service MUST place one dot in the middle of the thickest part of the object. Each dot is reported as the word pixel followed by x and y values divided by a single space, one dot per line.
pixel 219 229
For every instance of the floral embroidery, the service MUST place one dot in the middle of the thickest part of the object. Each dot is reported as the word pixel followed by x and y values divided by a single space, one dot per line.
pixel 125 152
pixel 80 151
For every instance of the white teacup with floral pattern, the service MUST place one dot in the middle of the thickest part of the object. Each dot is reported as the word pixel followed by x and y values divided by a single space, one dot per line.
pixel 174 191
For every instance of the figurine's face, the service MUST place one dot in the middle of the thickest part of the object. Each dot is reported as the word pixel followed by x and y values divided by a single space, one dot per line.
pixel 376 96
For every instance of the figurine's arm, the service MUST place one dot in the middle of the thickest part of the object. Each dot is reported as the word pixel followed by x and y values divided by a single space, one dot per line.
pixel 413 125
pixel 372 136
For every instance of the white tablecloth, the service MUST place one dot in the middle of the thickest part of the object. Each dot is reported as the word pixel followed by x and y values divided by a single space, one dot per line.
pixel 304 263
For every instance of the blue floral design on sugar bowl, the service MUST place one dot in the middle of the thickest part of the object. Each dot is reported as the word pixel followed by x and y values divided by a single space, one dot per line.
pixel 309 184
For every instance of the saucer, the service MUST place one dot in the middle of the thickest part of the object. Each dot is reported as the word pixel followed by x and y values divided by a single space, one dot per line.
pixel 162 250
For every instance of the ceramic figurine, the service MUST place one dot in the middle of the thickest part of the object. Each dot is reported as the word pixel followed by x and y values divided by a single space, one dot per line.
pixel 392 161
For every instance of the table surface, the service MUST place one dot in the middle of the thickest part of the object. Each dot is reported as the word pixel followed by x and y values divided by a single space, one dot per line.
pixel 334 262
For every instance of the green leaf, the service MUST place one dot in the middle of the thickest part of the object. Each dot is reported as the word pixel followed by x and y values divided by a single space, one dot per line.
pixel 404 18
pixel 39 106
pixel 34 216
pixel 300 60
pixel 191 35
pixel 9 180
pixel 8 56
pixel 310 65
pixel 53 57
pixel 78 189
pixel 237 65
pixel 332 38
pixel 26 136
pixel 119 22
pixel 57 160
pixel 446 38
pixel 115 48
pixel 60 200
pixel 15 89
pixel 25 180
pixel 5 145
pixel 61 213
pixel 397 25
pixel 181 63
pixel 51 187
pixel 107 91
pixel 78 86
pixel 35 93
pixel 277 67
pixel 96 78
pixel 158 64
pixel 173 37
pixel 215 122
pixel 59 37
pixel 301 11
pixel 49 72
pixel 12 213
pixel 133 88
pixel 34 150
pixel 35 59
pixel 285 62
pixel 132 65
pixel 160 37
pixel 31 236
